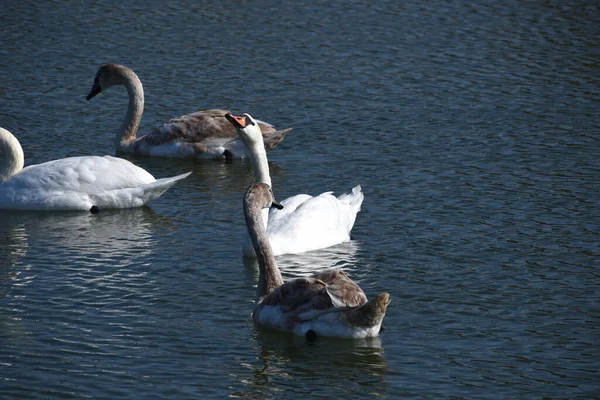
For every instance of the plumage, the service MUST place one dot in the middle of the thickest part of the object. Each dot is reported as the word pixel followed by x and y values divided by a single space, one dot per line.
pixel 74 183
pixel 327 303
pixel 200 134
pixel 305 223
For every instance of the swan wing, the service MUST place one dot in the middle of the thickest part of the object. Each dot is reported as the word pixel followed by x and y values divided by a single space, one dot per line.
pixel 304 299
pixel 307 223
pixel 342 290
pixel 300 293
pixel 135 196
pixel 207 127
pixel 77 183
pixel 87 174
pixel 326 289
pixel 197 127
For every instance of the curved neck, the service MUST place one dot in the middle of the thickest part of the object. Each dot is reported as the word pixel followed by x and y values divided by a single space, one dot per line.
pixel 135 109
pixel 269 275
pixel 13 158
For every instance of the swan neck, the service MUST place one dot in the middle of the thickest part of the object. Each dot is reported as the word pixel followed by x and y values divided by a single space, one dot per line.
pixel 135 109
pixel 13 158
pixel 260 165
pixel 269 277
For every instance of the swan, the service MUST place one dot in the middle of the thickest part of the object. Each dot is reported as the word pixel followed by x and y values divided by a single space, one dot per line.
pixel 203 134
pixel 306 223
pixel 74 183
pixel 327 303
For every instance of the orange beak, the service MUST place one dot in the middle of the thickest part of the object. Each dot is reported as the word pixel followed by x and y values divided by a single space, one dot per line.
pixel 239 120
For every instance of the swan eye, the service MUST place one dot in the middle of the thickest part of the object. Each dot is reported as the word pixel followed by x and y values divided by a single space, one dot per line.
pixel 248 121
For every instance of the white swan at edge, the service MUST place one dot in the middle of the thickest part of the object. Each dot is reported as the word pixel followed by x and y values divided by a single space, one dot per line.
pixel 75 183
pixel 203 134
pixel 327 303
pixel 306 223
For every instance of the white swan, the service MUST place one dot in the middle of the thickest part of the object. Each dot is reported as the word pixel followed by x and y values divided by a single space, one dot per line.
pixel 306 223
pixel 74 183
pixel 198 135
pixel 327 303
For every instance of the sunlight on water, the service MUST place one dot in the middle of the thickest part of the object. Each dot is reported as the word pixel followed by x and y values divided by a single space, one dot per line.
pixel 471 127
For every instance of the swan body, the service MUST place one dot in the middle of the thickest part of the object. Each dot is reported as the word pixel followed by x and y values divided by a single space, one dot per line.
pixel 74 183
pixel 305 223
pixel 327 303
pixel 203 134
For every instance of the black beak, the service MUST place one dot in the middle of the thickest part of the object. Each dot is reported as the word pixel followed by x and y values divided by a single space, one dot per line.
pixel 95 90
pixel 276 205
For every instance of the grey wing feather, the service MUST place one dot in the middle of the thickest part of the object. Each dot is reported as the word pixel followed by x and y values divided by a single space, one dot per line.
pixel 197 127
pixel 344 292
pixel 325 290
pixel 207 125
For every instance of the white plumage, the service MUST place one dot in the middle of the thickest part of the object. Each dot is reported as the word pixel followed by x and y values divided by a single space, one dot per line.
pixel 305 223
pixel 74 183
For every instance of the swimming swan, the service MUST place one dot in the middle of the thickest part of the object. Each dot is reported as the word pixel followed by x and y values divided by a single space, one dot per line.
pixel 306 223
pixel 75 183
pixel 327 303
pixel 203 134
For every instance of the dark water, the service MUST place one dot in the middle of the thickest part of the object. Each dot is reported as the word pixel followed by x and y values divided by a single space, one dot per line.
pixel 472 127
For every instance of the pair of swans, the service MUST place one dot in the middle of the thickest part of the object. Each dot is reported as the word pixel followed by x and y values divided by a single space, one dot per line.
pixel 327 303
pixel 305 223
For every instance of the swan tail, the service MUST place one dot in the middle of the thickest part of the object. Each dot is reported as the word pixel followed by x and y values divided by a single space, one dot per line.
pixel 370 313
pixel 274 138
pixel 155 189
pixel 354 199
pixel 165 183
pixel 133 197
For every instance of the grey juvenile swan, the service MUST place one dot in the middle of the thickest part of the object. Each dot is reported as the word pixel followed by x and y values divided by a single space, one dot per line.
pixel 203 134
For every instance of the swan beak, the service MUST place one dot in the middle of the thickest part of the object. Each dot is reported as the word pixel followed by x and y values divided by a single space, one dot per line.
pixel 237 121
pixel 276 205
pixel 95 90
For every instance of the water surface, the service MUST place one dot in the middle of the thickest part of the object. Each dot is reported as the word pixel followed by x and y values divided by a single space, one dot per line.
pixel 473 129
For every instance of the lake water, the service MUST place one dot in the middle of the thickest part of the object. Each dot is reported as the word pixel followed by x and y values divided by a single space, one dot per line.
pixel 473 128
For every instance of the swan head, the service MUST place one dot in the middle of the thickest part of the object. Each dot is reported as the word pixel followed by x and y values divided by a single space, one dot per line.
pixel 246 127
pixel 108 75
pixel 260 195
pixel 12 159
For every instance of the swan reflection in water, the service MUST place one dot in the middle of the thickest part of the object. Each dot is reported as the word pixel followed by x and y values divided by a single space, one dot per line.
pixel 71 256
pixel 343 256
pixel 13 247
pixel 111 233
pixel 356 368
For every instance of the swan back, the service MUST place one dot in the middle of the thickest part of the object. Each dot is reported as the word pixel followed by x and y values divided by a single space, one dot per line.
pixel 78 183
pixel 12 152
